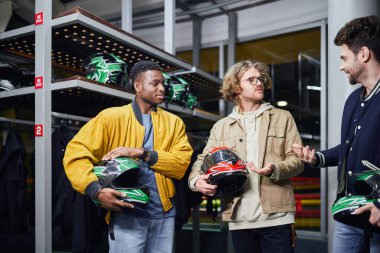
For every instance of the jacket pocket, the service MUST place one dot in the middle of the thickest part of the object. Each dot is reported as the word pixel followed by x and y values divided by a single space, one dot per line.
pixel 276 141
pixel 236 144
pixel 277 196
pixel 228 142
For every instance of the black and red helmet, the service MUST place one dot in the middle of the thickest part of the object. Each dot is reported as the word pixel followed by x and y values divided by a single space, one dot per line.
pixel 227 170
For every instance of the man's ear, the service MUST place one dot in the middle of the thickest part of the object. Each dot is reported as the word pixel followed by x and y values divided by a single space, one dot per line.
pixel 237 89
pixel 137 85
pixel 364 54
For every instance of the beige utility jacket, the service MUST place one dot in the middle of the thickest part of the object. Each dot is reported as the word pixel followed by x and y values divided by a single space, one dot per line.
pixel 278 132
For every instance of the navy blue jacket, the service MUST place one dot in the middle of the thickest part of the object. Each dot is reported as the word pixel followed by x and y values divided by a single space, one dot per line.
pixel 360 138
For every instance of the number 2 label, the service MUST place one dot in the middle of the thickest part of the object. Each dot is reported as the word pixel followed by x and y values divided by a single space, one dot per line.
pixel 38 130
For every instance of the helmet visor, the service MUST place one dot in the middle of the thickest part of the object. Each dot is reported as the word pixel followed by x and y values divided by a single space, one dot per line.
pixel 367 184
pixel 217 155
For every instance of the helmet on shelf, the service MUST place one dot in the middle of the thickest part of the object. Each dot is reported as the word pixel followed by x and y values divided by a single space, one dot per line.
pixel 27 77
pixel 6 85
pixel 9 75
pixel 365 187
pixel 177 90
pixel 227 170
pixel 121 174
pixel 167 85
pixel 191 101
pixel 106 68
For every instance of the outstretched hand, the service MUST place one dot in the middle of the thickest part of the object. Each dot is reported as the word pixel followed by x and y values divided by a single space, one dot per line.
pixel 374 218
pixel 304 153
pixel 267 170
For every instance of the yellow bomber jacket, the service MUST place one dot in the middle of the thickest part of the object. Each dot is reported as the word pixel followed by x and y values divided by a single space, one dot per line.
pixel 120 127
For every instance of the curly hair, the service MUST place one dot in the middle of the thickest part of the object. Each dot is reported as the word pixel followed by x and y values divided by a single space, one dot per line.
pixel 360 32
pixel 231 81
pixel 141 67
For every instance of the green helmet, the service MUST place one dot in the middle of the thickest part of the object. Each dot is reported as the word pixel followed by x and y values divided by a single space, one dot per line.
pixel 106 68
pixel 191 101
pixel 167 79
pixel 177 90
pixel 121 174
pixel 343 208
pixel 365 186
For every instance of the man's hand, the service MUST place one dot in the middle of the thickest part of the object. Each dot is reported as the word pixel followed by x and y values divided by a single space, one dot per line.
pixel 108 199
pixel 204 187
pixel 304 153
pixel 374 218
pixel 266 171
pixel 123 151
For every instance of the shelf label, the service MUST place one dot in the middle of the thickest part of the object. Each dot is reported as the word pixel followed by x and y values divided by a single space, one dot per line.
pixel 38 82
pixel 38 130
pixel 39 18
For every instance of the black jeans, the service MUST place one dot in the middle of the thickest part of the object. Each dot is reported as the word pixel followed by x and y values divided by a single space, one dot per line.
pixel 277 239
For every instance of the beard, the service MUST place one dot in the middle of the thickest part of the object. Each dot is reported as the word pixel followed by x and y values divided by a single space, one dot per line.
pixel 357 70
pixel 353 79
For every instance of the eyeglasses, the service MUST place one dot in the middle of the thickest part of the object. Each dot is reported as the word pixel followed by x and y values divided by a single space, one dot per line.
pixel 255 80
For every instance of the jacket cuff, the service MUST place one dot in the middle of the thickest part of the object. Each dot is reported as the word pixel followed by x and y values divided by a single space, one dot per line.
pixel 275 173
pixel 153 158
pixel 92 189
pixel 192 183
pixel 320 160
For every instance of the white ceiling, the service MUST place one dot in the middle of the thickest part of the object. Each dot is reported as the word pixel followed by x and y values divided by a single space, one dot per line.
pixel 146 13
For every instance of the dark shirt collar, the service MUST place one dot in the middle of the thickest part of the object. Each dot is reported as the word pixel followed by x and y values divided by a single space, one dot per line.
pixel 137 111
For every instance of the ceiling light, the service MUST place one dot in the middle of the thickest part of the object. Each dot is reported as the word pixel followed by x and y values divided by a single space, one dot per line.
pixel 282 103
pixel 310 87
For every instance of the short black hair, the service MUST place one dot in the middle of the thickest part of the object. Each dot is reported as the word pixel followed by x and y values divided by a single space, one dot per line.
pixel 141 67
pixel 360 32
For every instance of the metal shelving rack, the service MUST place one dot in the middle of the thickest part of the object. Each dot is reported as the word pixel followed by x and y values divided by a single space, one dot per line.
pixel 78 34
pixel 67 94
pixel 63 43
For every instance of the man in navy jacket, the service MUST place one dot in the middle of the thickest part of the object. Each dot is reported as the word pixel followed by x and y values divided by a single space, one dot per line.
pixel 359 40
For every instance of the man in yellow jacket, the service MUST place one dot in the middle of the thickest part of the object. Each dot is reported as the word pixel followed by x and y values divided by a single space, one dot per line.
pixel 142 131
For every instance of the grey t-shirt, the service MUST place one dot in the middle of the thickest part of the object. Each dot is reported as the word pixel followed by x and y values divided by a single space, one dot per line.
pixel 146 177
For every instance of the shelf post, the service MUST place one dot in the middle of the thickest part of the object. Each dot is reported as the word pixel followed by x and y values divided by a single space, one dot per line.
pixel 169 21
pixel 126 15
pixel 43 46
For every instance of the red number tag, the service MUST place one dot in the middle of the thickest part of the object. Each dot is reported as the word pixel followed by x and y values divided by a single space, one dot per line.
pixel 38 130
pixel 38 82
pixel 39 18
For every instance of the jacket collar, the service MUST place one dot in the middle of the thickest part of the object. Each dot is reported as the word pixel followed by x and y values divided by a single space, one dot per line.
pixel 373 92
pixel 137 111
pixel 266 115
